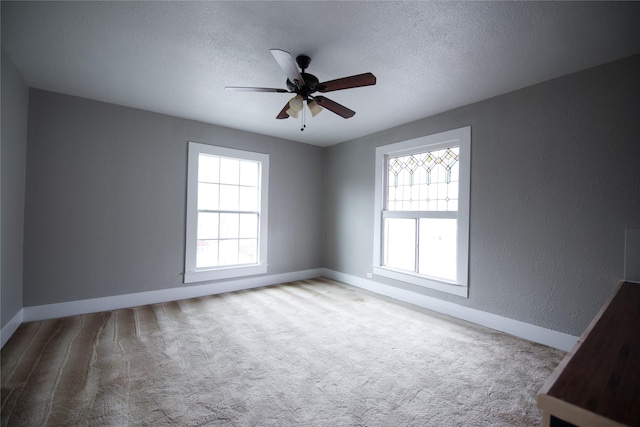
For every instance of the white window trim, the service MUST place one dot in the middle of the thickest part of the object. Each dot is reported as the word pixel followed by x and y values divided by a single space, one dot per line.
pixel 459 137
pixel 193 274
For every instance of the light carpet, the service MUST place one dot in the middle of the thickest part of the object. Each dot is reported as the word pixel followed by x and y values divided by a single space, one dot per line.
pixel 309 353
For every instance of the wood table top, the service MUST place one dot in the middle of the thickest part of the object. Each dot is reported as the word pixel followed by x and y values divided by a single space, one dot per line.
pixel 603 375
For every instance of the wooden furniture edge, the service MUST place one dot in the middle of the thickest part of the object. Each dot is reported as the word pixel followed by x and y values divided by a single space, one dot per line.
pixel 568 412
pixel 554 407
pixel 567 358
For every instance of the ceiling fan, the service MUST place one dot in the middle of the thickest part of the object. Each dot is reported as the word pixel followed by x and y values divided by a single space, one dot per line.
pixel 304 85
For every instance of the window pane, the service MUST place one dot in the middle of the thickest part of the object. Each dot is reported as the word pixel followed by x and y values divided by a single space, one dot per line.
pixel 453 192
pixel 248 199
pixel 438 248
pixel 400 243
pixel 229 224
pixel 455 172
pixel 229 197
pixel 248 226
pixel 229 171
pixel 228 252
pixel 248 251
pixel 415 198
pixel 420 176
pixel 208 196
pixel 208 168
pixel 249 173
pixel 207 253
pixel 207 225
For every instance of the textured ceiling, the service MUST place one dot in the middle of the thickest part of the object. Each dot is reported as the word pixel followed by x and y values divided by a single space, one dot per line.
pixel 429 57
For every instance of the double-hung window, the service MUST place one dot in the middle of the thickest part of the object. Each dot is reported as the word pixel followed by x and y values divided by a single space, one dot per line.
pixel 421 231
pixel 226 213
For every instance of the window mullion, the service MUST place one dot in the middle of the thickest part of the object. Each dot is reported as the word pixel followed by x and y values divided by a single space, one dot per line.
pixel 417 237
pixel 229 212
pixel 219 238
pixel 420 214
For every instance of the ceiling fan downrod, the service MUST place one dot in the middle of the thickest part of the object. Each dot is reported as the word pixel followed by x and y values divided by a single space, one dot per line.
pixel 303 62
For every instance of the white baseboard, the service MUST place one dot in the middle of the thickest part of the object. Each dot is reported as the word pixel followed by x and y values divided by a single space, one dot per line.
pixel 94 305
pixel 11 327
pixel 517 328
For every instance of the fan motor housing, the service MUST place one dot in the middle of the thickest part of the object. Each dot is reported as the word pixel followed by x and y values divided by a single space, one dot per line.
pixel 310 84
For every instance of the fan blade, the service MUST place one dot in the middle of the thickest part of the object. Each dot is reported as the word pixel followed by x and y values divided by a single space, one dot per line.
pixel 283 113
pixel 330 105
pixel 366 79
pixel 255 89
pixel 289 66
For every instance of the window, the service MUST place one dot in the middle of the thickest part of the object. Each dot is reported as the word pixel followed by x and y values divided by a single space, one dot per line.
pixel 421 222
pixel 226 213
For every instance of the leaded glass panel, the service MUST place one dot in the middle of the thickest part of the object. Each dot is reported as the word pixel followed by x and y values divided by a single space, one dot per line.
pixel 425 181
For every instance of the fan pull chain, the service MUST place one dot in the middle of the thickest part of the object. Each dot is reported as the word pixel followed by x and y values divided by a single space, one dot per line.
pixel 304 115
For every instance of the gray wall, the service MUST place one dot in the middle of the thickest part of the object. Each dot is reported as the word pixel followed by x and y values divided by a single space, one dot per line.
pixel 15 97
pixel 106 196
pixel 555 181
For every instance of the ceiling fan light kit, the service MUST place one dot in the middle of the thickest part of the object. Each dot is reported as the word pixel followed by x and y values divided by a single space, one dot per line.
pixel 297 103
pixel 314 107
pixel 304 85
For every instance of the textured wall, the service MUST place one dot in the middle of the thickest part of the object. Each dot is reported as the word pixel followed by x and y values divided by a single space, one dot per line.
pixel 555 181
pixel 15 97
pixel 106 195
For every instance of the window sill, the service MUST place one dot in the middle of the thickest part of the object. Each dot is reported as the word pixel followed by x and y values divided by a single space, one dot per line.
pixel 223 273
pixel 425 282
